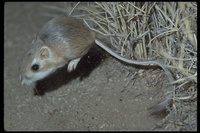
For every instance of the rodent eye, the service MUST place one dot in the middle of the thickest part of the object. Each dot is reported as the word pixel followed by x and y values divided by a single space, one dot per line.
pixel 35 67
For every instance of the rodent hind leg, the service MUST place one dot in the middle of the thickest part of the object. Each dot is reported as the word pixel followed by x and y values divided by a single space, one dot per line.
pixel 73 64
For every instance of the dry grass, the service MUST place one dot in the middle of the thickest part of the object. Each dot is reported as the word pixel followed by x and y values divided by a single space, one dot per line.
pixel 154 30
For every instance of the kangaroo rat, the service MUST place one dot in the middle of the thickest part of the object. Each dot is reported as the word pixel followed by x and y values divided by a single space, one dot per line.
pixel 64 40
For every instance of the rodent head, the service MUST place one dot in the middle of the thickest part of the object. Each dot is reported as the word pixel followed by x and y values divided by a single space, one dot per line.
pixel 37 63
pixel 59 41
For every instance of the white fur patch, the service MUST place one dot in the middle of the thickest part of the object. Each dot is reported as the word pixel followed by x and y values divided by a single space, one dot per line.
pixel 73 64
pixel 37 76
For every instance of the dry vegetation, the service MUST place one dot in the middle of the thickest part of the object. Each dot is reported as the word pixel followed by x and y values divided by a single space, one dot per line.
pixel 165 31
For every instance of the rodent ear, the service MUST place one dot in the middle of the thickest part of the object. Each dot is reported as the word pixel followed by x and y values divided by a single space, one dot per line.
pixel 45 53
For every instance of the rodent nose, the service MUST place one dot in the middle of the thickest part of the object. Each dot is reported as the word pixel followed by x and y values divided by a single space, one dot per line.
pixel 25 82
pixel 22 80
pixel 20 77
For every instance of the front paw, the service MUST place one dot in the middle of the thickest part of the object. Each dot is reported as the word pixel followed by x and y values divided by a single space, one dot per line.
pixel 73 64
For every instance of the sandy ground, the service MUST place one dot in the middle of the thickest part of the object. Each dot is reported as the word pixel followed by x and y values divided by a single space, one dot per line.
pixel 101 94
